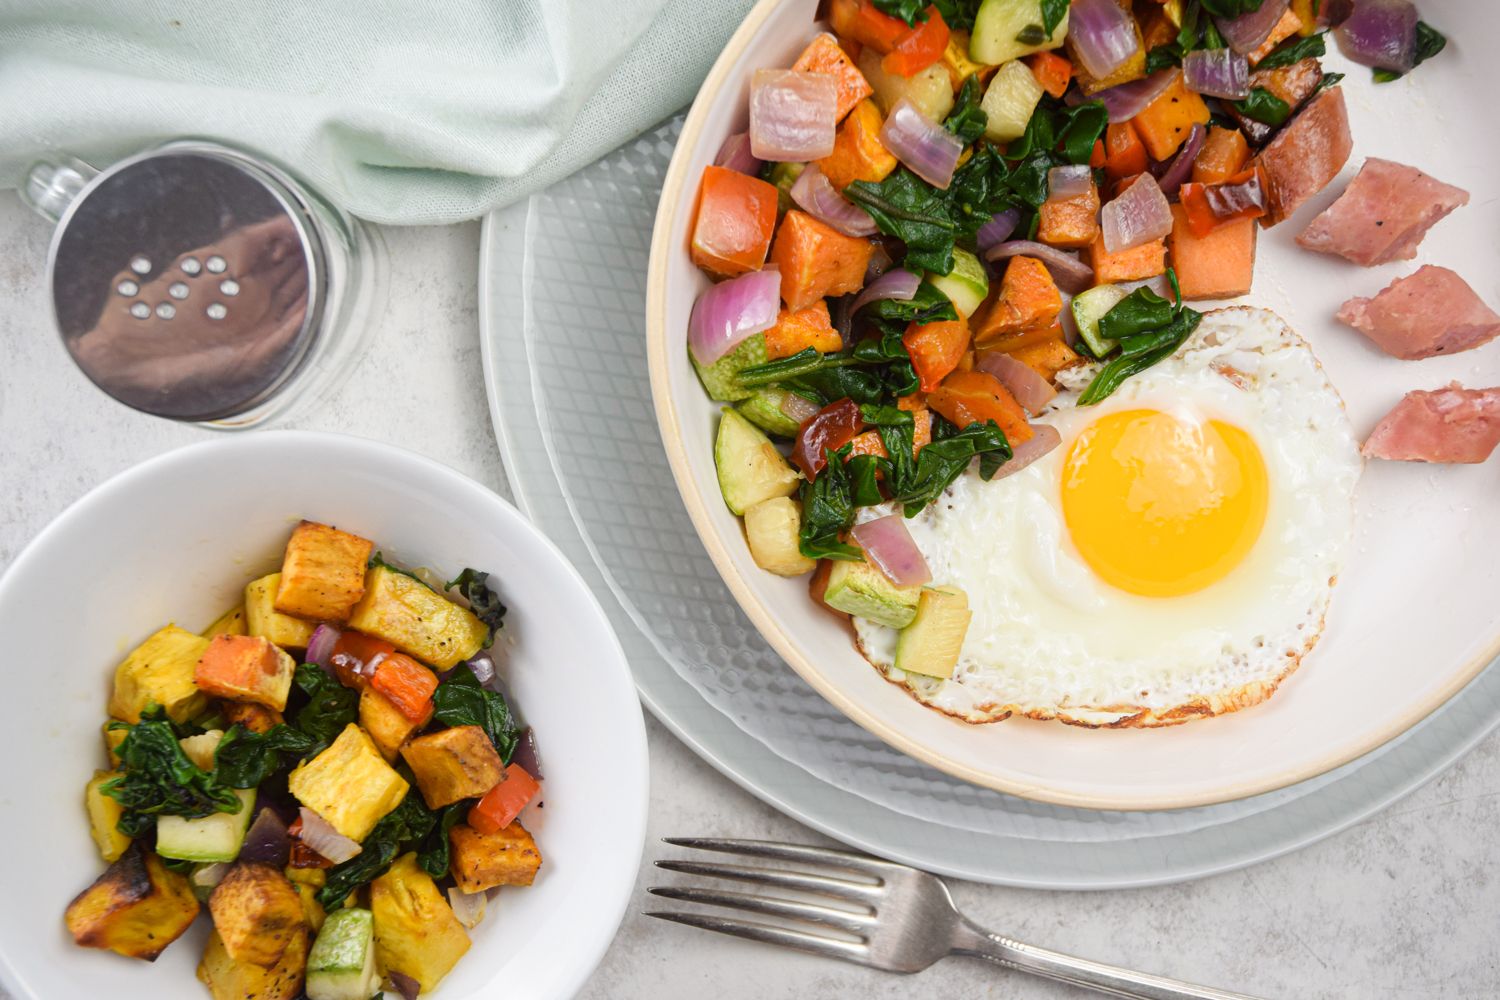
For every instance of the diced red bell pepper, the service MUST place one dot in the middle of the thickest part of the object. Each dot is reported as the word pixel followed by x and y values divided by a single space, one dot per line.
pixel 351 654
pixel 832 427
pixel 407 685
pixel 503 803
pixel 863 22
pixel 919 47
pixel 303 856
pixel 1209 206
pixel 936 349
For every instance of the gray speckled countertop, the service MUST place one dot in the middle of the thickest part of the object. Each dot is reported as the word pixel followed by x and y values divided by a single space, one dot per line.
pixel 1404 905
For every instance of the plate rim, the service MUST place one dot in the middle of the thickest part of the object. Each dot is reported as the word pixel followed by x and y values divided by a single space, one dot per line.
pixel 669 426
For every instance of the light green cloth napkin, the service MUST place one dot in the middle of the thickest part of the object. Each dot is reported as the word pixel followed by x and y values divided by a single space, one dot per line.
pixel 422 111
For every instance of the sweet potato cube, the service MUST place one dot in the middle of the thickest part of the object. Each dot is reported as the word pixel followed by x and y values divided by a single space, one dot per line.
pixel 349 784
pixel 1070 222
pixel 1289 25
pixel 256 718
pixel 417 620
pixel 1220 265
pixel 245 668
pixel 973 397
pixel 481 861
pixel 136 908
pixel 869 442
pixel 1225 153
pixel 416 933
pixel 735 218
pixel 817 260
pixel 858 154
pixel 1137 264
pixel 1164 124
pixel 160 672
pixel 262 618
pixel 322 573
pixel 228 979
pixel 1027 301
pixel 453 764
pixel 257 913
pixel 823 55
pixel 797 331
pixel 1048 357
pixel 385 723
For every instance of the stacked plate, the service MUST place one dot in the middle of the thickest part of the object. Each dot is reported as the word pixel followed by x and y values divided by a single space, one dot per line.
pixel 563 300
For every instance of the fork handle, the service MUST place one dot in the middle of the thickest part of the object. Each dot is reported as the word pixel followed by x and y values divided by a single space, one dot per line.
pixel 1110 979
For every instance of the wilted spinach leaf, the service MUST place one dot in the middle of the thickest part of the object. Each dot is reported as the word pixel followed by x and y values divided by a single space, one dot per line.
pixel 906 207
pixel 330 707
pixel 1264 106
pixel 433 855
pixel 474 585
pixel 828 511
pixel 968 119
pixel 462 701
pixel 158 779
pixel 246 759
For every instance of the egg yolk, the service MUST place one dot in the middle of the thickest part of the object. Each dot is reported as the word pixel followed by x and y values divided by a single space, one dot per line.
pixel 1161 507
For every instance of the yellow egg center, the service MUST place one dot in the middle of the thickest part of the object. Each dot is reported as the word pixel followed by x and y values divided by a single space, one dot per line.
pixel 1161 507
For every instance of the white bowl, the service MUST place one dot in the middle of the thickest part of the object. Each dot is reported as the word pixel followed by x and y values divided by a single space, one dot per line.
pixel 175 539
pixel 1414 617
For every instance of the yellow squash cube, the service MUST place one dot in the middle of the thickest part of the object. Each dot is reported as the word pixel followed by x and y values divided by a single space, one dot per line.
pixel 231 622
pixel 416 933
pixel 257 913
pixel 104 814
pixel 136 908
pixel 246 668
pixel 385 723
pixel 349 784
pixel 323 573
pixel 262 618
pixel 484 860
pixel 417 619
pixel 112 740
pixel 160 672
pixel 229 979
pixel 453 764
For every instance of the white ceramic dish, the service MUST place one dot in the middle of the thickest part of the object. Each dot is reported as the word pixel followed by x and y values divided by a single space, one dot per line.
pixel 173 540
pixel 1413 618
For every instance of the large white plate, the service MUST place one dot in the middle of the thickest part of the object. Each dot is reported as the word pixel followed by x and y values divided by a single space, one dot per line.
pixel 562 310
pixel 1414 617
pixel 175 539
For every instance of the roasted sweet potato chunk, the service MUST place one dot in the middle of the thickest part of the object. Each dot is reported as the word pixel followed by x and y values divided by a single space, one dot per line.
pixel 246 668
pixel 257 913
pixel 323 573
pixel 136 908
pixel 230 979
pixel 484 860
pixel 453 764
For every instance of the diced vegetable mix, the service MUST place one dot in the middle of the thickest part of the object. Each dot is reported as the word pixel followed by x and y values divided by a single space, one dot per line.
pixel 385 759
pixel 1108 141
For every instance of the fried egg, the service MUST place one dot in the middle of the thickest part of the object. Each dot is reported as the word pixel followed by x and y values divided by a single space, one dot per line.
pixel 1173 558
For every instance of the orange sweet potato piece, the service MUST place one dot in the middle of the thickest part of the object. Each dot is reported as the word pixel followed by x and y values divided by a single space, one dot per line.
pixel 823 55
pixel 817 260
pixel 966 398
pixel 1070 222
pixel 736 216
pixel 1225 153
pixel 869 443
pixel 1124 153
pixel 1145 261
pixel 1052 71
pixel 1164 124
pixel 1289 25
pixel 797 331
pixel 1220 265
pixel 1027 300
pixel 862 22
pixel 1050 356
pixel 245 668
pixel 936 349
pixel 857 152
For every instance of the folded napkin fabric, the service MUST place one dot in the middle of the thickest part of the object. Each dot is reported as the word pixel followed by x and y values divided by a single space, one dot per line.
pixel 401 111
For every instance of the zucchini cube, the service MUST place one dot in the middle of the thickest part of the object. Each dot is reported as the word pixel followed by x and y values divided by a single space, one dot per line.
pixel 160 672
pixel 323 573
pixel 453 764
pixel 349 784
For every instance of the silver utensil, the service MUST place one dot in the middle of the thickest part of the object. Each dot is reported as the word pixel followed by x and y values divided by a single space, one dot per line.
pixel 878 914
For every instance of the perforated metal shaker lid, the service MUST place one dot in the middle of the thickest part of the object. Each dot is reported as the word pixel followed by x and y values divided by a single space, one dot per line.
pixel 188 282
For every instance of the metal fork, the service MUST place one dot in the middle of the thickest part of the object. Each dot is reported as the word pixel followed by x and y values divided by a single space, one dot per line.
pixel 890 917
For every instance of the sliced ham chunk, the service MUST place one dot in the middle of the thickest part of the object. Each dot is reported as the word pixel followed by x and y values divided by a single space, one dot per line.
pixel 1306 156
pixel 1446 425
pixel 1431 312
pixel 1384 214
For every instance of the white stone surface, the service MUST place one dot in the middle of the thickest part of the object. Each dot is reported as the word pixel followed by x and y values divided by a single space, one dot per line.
pixel 1405 905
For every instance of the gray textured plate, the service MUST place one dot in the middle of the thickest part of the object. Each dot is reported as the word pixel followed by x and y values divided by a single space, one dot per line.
pixel 562 293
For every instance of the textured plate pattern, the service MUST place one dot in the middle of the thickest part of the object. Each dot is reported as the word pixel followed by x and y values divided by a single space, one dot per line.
pixel 564 302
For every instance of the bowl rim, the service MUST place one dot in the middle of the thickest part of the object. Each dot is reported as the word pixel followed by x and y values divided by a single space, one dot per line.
pixel 668 422
pixel 612 901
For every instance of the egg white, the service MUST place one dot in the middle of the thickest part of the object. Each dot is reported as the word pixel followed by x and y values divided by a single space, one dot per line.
pixel 1050 639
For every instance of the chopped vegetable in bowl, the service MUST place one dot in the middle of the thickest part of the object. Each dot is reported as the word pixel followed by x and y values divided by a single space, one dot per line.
pixel 327 768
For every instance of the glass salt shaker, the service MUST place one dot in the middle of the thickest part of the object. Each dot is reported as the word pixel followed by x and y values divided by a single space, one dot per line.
pixel 201 283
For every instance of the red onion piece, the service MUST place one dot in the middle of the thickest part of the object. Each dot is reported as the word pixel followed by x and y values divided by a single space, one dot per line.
pixel 526 755
pixel 889 546
pixel 899 284
pixel 1070 181
pixel 320 644
pixel 793 115
pixel 1381 34
pixel 318 834
pixel 1129 99
pixel 726 313
pixel 1024 382
pixel 1136 217
pixel 816 194
pixel 482 665
pixel 1333 13
pixel 1218 73
pixel 928 149
pixel 468 907
pixel 408 987
pixel 1102 35
pixel 798 408
pixel 1246 32
pixel 735 154
pixel 1181 168
pixel 1070 273
pixel 998 229
pixel 880 262
pixel 1044 440
pixel 267 840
